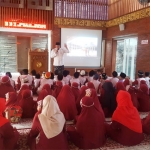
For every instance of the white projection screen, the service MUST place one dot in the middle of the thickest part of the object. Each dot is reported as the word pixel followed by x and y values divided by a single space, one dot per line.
pixel 84 46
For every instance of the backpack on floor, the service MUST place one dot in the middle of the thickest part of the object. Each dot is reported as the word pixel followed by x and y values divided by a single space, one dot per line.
pixel 14 113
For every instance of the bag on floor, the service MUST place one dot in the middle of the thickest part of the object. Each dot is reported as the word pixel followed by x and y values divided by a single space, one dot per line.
pixel 14 113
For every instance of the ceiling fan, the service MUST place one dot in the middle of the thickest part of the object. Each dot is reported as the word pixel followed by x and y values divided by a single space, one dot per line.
pixel 144 2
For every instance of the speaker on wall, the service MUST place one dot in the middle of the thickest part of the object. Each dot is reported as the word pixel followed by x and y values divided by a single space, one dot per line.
pixel 121 27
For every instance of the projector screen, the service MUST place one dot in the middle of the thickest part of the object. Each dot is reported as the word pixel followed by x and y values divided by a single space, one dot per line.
pixel 84 47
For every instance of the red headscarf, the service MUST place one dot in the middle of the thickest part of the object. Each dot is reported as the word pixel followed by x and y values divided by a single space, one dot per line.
pixel 126 82
pixel 96 101
pixel 126 113
pixel 75 90
pixel 5 86
pixel 2 108
pixel 143 98
pixel 144 88
pixel 5 80
pixel 12 99
pixel 42 95
pixel 120 86
pixel 66 102
pixel 82 94
pixel 27 104
pixel 57 89
pixel 133 94
pixel 142 82
pixel 90 123
pixel 90 85
pixel 23 87
pixel 48 88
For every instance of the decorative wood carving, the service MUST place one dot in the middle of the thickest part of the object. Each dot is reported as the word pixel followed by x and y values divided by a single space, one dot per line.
pixel 79 22
pixel 129 17
pixel 38 61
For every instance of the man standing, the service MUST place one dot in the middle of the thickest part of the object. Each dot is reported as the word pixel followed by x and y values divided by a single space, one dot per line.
pixel 57 53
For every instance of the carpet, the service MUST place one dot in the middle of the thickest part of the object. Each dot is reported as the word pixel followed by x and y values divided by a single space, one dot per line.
pixel 25 125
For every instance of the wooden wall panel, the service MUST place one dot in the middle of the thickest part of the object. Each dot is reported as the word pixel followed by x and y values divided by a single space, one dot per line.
pixel 108 57
pixel 117 8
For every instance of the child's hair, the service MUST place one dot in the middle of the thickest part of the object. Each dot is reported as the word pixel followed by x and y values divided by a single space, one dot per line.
pixel 60 77
pixel 76 74
pixel 52 75
pixel 114 74
pixel 56 72
pixel 146 74
pixel 91 73
pixel 9 74
pixel 65 73
pixel 37 76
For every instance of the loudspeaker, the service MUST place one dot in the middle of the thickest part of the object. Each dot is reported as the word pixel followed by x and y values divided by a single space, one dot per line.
pixel 121 27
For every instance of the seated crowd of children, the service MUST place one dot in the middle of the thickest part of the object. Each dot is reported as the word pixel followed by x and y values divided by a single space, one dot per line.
pixel 85 99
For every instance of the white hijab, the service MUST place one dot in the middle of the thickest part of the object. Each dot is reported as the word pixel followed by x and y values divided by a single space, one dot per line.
pixel 51 118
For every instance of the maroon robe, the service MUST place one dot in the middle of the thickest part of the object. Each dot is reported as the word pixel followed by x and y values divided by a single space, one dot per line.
pixel 24 87
pixel 66 102
pixel 58 142
pixel 42 95
pixel 57 89
pixel 75 90
pixel 82 94
pixel 27 104
pixel 89 132
pixel 8 137
pixel 48 88
pixel 134 98
pixel 12 99
pixel 5 86
pixel 90 85
pixel 120 86
pixel 96 101
pixel 146 124
pixel 143 98
pixel 123 135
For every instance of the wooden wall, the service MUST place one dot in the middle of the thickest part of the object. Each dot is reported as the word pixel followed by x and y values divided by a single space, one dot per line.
pixel 25 14
pixel 117 8
pixel 140 28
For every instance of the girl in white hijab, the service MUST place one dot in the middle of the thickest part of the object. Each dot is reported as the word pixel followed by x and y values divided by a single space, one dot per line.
pixel 47 129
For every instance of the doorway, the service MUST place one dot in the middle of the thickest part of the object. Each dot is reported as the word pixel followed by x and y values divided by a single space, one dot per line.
pixel 126 56
pixel 23 45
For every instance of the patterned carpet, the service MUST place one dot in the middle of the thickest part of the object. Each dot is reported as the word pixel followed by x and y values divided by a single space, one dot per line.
pixel 25 125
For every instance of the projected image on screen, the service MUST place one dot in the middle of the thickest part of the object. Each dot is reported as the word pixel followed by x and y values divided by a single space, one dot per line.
pixel 82 46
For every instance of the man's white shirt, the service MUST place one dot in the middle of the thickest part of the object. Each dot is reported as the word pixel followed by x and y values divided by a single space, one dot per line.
pixel 58 56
